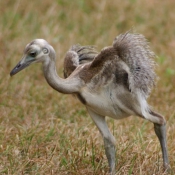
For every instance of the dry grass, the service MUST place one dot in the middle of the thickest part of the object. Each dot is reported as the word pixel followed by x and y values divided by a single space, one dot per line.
pixel 44 132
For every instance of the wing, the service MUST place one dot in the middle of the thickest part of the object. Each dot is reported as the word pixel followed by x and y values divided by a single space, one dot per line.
pixel 76 56
pixel 129 60
pixel 134 50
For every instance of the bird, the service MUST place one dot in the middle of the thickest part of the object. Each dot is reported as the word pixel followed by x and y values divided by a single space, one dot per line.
pixel 115 82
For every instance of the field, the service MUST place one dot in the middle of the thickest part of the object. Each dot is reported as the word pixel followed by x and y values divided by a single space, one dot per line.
pixel 43 132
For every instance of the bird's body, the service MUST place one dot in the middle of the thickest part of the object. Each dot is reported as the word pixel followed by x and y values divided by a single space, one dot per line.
pixel 115 82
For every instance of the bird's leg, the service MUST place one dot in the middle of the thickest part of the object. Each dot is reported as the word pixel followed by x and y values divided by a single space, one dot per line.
pixel 110 154
pixel 160 130
pixel 109 140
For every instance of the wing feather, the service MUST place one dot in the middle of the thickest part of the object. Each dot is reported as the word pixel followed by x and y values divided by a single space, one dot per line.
pixel 76 56
pixel 134 50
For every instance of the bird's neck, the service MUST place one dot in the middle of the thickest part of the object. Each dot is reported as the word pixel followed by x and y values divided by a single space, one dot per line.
pixel 66 86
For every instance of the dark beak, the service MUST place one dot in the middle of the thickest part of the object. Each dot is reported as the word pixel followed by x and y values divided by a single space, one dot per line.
pixel 20 66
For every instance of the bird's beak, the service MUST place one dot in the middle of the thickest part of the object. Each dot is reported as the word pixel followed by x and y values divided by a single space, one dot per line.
pixel 20 66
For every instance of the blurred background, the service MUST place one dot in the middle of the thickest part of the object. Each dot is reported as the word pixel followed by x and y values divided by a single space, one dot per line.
pixel 44 132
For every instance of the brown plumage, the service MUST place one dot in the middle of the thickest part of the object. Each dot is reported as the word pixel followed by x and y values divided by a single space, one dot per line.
pixel 76 56
pixel 114 82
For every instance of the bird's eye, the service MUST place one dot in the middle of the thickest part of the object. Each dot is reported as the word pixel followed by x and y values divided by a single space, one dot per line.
pixel 33 54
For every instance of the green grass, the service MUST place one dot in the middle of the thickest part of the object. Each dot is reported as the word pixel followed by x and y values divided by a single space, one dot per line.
pixel 44 132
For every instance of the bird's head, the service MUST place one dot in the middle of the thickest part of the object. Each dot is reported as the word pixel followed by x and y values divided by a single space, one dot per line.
pixel 36 51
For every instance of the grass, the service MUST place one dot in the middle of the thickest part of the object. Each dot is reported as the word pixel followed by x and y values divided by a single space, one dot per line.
pixel 44 132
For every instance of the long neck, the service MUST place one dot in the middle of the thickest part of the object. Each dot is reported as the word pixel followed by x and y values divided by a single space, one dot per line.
pixel 66 86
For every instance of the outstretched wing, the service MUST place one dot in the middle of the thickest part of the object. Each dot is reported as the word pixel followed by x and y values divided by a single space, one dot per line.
pixel 77 55
pixel 134 50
